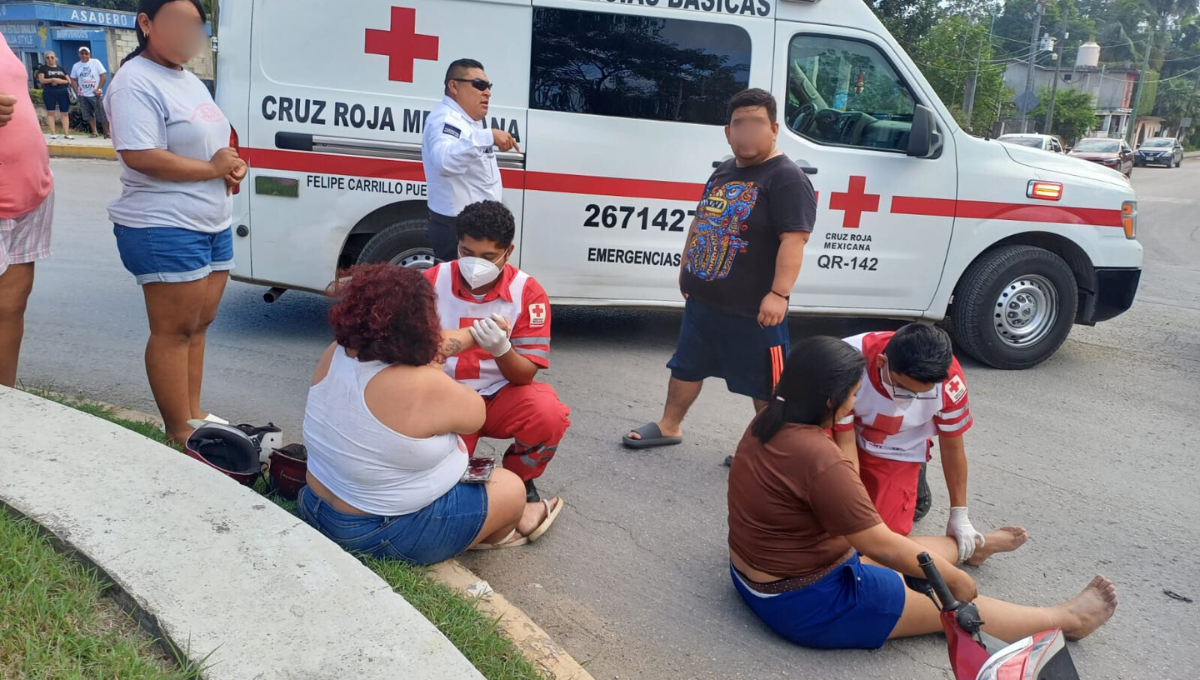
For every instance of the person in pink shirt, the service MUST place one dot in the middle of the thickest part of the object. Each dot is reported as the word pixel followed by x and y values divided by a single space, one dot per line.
pixel 26 205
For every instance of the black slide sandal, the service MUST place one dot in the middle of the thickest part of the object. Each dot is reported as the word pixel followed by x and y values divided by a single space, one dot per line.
pixel 651 437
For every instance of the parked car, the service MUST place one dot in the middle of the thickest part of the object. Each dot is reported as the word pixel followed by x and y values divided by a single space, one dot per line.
pixel 1159 151
pixel 1043 142
pixel 1111 153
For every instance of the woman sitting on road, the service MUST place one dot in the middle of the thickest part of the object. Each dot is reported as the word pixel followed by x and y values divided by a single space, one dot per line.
pixel 382 428
pixel 811 557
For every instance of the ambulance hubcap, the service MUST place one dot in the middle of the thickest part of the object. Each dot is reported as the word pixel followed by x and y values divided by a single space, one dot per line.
pixel 419 259
pixel 1026 311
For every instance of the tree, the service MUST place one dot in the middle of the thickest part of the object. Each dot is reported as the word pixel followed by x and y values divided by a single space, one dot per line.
pixel 948 54
pixel 1074 113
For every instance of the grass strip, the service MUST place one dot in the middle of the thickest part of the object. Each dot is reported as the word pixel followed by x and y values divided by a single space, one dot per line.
pixel 475 635
pixel 57 622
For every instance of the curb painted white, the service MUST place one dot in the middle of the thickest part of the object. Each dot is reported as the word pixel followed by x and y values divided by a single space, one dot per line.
pixel 211 565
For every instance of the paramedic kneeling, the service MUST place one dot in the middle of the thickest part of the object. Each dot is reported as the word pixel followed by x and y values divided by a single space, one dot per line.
pixel 912 388
pixel 810 556
pixel 383 425
pixel 508 315
pixel 459 153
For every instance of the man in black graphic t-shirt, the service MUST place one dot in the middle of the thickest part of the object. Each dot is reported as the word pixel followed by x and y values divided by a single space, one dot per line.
pixel 740 262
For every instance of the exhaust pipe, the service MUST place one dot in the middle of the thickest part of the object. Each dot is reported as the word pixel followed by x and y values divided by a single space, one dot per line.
pixel 273 294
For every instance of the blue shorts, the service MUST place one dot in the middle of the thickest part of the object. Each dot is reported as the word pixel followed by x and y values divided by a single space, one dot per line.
pixel 56 100
pixel 855 607
pixel 717 344
pixel 171 254
pixel 437 532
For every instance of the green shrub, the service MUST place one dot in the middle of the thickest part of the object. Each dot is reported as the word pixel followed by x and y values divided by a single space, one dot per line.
pixel 36 96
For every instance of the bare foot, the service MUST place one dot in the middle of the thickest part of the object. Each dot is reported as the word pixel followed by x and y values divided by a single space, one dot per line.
pixel 1002 540
pixel 1090 609
pixel 534 515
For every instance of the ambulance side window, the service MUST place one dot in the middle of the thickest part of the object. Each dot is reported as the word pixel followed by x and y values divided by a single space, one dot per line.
pixel 844 92
pixel 629 66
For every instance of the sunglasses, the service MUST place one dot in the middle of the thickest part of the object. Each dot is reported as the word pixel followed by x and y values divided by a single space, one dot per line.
pixel 477 83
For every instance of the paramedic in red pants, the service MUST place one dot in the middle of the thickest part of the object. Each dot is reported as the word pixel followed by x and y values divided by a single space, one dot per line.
pixel 912 389
pixel 508 316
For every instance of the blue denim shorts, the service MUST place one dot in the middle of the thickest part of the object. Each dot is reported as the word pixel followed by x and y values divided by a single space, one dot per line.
pixel 171 254
pixel 435 533
pixel 856 606
pixel 714 343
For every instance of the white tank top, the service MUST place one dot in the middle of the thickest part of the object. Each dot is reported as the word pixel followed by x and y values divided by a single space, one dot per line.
pixel 364 462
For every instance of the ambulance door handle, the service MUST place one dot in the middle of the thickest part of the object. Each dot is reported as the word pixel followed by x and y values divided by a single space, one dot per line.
pixel 806 168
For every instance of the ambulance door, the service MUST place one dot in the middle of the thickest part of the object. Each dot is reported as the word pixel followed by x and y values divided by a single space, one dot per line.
pixel 627 114
pixel 339 97
pixel 847 105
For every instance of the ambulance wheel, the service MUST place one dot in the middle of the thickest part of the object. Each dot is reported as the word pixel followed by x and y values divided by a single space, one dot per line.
pixel 404 243
pixel 1014 307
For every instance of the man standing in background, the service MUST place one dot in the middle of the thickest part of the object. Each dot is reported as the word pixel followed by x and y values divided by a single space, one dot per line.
pixel 459 153
pixel 56 94
pixel 740 261
pixel 88 77
pixel 26 205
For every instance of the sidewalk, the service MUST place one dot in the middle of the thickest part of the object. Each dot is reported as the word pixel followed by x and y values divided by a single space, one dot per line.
pixel 83 146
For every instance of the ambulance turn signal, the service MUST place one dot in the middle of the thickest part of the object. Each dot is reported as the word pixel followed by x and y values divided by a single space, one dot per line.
pixel 1129 218
pixel 1047 191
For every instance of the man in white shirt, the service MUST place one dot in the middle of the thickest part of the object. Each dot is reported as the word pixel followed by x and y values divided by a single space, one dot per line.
pixel 459 152
pixel 88 77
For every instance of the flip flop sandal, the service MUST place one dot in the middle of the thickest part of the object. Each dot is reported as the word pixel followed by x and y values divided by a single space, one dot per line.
pixel 651 437
pixel 512 540
pixel 551 515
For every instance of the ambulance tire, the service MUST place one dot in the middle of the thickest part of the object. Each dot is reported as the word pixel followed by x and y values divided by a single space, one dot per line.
pixel 1035 274
pixel 404 243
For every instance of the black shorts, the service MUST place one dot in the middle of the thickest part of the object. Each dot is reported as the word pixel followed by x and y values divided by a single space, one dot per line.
pixel 92 108
pixel 58 99
pixel 717 344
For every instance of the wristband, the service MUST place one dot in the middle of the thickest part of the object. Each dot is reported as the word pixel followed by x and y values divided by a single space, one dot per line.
pixel 785 297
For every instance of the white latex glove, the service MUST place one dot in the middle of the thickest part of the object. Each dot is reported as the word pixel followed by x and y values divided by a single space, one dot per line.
pixel 959 528
pixel 490 336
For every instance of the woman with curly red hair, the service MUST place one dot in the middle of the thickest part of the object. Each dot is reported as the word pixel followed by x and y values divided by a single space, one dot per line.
pixel 382 428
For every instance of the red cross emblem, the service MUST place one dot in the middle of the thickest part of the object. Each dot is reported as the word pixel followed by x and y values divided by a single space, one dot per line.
pixel 467 366
pixel 882 428
pixel 855 201
pixel 537 314
pixel 402 45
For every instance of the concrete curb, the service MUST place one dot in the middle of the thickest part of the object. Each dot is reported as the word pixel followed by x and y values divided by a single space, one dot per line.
pixel 208 565
pixel 533 642
pixel 82 151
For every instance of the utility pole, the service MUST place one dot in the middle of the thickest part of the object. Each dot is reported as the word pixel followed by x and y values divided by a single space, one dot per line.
pixel 1033 50
pixel 1057 75
pixel 978 62
pixel 1141 87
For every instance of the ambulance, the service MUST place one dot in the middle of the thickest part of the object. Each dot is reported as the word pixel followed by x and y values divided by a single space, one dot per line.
pixel 619 108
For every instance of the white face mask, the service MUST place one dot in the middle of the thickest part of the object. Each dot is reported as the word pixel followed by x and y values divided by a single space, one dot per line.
pixel 477 272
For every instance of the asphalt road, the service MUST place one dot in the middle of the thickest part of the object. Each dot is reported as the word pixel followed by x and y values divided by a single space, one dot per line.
pixel 1094 452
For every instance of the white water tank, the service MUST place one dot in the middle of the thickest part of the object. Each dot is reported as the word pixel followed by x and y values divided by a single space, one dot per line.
pixel 1089 55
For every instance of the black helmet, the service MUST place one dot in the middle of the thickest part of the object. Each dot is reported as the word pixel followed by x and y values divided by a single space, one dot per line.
pixel 227 449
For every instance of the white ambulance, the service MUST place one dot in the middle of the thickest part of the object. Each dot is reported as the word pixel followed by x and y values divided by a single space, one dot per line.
pixel 619 107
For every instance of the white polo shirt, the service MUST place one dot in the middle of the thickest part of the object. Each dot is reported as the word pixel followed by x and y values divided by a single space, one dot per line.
pixel 460 160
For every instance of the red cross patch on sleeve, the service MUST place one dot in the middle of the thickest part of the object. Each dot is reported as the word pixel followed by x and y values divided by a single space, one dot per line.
pixel 956 389
pixel 537 314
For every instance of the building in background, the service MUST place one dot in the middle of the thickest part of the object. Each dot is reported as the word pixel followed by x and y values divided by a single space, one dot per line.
pixel 34 28
pixel 1111 88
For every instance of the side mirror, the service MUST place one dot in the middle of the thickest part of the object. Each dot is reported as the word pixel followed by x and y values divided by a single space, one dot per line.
pixel 925 140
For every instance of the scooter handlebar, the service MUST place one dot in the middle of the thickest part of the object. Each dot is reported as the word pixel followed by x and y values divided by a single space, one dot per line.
pixel 940 589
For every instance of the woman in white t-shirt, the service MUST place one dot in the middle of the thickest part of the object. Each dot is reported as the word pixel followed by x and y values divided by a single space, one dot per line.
pixel 172 218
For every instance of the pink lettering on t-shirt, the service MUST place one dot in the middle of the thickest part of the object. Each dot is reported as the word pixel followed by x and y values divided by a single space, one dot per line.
pixel 209 113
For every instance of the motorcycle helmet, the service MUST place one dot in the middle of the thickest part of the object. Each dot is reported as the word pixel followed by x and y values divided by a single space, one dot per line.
pixel 227 449
pixel 289 468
